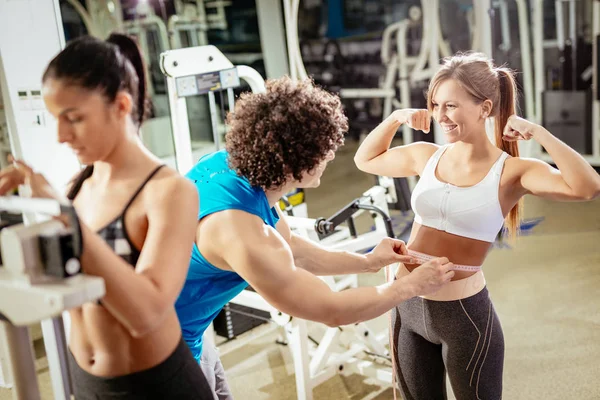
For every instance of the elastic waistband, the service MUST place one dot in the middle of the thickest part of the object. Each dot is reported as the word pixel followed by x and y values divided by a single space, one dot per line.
pixel 453 290
pixel 423 258
pixel 133 382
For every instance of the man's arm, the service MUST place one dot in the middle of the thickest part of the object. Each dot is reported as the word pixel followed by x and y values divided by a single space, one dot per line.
pixel 262 257
pixel 321 261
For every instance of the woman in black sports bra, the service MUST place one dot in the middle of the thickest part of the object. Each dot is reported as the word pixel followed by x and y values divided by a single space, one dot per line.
pixel 138 222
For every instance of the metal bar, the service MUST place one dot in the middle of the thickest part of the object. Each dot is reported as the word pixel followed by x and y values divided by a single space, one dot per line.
pixel 367 93
pixel 181 128
pixel 22 361
pixel 273 37
pixel 213 118
pixel 505 25
pixel 525 43
pixel 550 43
pixel 55 342
pixel 230 100
pixel 252 78
pixel 596 81
pixel 296 41
pixel 17 204
pixel 352 227
pixel 298 339
pixel 560 24
pixel 573 36
pixel 287 12
pixel 320 357
pixel 386 219
pixel 538 53
pixel 483 24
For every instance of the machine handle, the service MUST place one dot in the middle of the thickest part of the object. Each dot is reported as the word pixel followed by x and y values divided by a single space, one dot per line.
pixel 325 227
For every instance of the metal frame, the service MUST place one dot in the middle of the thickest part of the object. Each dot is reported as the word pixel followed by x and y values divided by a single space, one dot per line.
pixel 100 17
pixel 197 25
pixel 397 70
pixel 539 44
pixel 290 10
pixel 525 42
pixel 272 37
pixel 192 61
pixel 402 70
pixel 28 297
pixel 596 83
pixel 140 27
pixel 482 38
pixel 502 5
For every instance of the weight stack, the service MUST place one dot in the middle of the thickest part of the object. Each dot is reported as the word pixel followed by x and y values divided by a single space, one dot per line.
pixel 235 319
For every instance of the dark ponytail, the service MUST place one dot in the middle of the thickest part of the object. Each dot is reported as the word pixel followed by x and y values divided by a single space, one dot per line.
pixel 109 66
pixel 131 51
pixel 507 106
pixel 77 182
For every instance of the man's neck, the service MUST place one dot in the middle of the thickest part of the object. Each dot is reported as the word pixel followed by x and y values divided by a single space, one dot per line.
pixel 273 196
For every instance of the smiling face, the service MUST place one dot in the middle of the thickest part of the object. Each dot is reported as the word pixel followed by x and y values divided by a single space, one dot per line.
pixel 457 112
pixel 86 121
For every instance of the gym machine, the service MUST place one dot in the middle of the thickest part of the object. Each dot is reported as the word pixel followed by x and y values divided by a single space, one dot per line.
pixel 28 293
pixel 196 71
pixel 39 280
pixel 99 17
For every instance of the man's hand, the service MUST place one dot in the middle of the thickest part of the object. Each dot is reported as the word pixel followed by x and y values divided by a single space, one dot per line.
pixel 388 251
pixel 429 277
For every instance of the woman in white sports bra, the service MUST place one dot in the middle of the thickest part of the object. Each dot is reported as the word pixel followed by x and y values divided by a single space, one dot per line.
pixel 468 189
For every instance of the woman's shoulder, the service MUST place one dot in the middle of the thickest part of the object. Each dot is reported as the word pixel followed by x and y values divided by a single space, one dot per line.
pixel 515 167
pixel 425 149
pixel 523 163
pixel 169 185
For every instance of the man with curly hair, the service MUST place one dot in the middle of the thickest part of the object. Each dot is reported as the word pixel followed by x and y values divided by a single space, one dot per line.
pixel 279 141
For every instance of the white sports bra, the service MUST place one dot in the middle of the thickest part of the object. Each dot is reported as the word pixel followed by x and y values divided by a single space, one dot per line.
pixel 472 211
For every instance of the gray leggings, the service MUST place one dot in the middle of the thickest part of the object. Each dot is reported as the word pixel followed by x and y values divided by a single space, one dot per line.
pixel 462 337
pixel 215 373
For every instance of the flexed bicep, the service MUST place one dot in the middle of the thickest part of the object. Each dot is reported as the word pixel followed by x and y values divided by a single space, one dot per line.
pixel 540 179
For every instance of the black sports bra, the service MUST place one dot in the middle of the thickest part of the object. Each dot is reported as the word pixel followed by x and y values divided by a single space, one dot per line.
pixel 115 232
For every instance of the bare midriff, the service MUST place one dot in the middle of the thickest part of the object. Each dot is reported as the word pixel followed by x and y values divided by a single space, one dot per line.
pixel 103 347
pixel 457 249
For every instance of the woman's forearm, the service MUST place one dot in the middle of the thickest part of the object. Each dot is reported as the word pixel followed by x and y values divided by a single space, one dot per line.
pixel 575 170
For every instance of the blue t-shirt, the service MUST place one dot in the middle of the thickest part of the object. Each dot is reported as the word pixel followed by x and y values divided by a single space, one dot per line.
pixel 207 288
